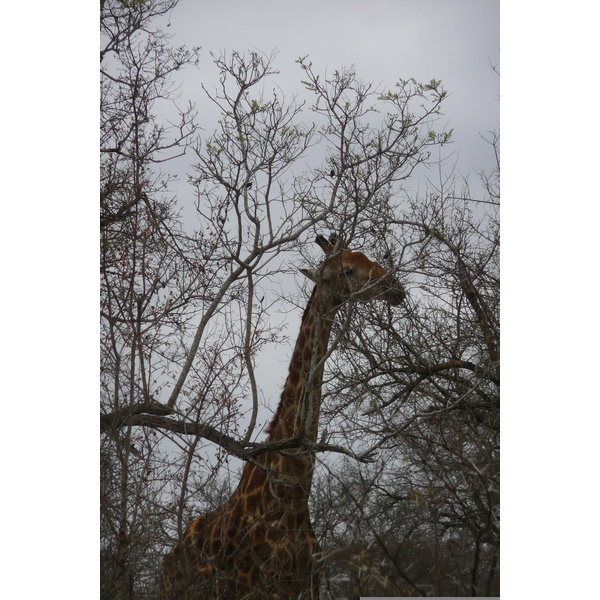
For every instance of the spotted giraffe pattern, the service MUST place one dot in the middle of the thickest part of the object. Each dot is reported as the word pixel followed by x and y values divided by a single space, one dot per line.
pixel 260 544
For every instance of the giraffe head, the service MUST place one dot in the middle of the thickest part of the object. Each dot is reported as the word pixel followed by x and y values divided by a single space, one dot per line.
pixel 351 274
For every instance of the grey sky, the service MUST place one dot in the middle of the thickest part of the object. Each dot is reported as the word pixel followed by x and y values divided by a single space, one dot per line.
pixel 454 41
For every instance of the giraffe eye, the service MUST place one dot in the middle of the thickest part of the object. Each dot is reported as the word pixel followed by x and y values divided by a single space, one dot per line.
pixel 349 272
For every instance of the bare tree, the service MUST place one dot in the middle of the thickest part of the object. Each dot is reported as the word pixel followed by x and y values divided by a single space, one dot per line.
pixel 426 401
pixel 186 310
pixel 150 277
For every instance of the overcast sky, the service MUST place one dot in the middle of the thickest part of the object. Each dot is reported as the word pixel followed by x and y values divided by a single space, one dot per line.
pixel 454 41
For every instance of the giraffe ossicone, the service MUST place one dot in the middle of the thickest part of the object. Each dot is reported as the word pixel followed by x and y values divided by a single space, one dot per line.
pixel 260 543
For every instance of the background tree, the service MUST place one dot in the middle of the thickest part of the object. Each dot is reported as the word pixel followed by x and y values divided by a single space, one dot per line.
pixel 149 277
pixel 187 305
pixel 424 518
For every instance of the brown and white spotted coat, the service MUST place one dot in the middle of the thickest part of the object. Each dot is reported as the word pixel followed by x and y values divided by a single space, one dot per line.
pixel 260 543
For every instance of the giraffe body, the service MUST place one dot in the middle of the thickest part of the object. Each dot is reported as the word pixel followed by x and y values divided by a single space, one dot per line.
pixel 260 544
pixel 245 550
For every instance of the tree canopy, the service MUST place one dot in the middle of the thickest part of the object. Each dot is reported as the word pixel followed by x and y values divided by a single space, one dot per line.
pixel 406 497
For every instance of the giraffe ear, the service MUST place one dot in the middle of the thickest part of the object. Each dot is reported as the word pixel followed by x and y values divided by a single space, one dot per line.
pixel 326 246
pixel 310 273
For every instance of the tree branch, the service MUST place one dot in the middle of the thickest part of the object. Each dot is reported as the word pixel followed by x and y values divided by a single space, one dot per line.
pixel 154 415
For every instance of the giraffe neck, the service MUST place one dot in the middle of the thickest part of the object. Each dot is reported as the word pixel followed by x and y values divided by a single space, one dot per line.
pixel 285 484
pixel 298 410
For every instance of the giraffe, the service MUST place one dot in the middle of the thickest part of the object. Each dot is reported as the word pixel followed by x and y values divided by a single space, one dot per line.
pixel 261 544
